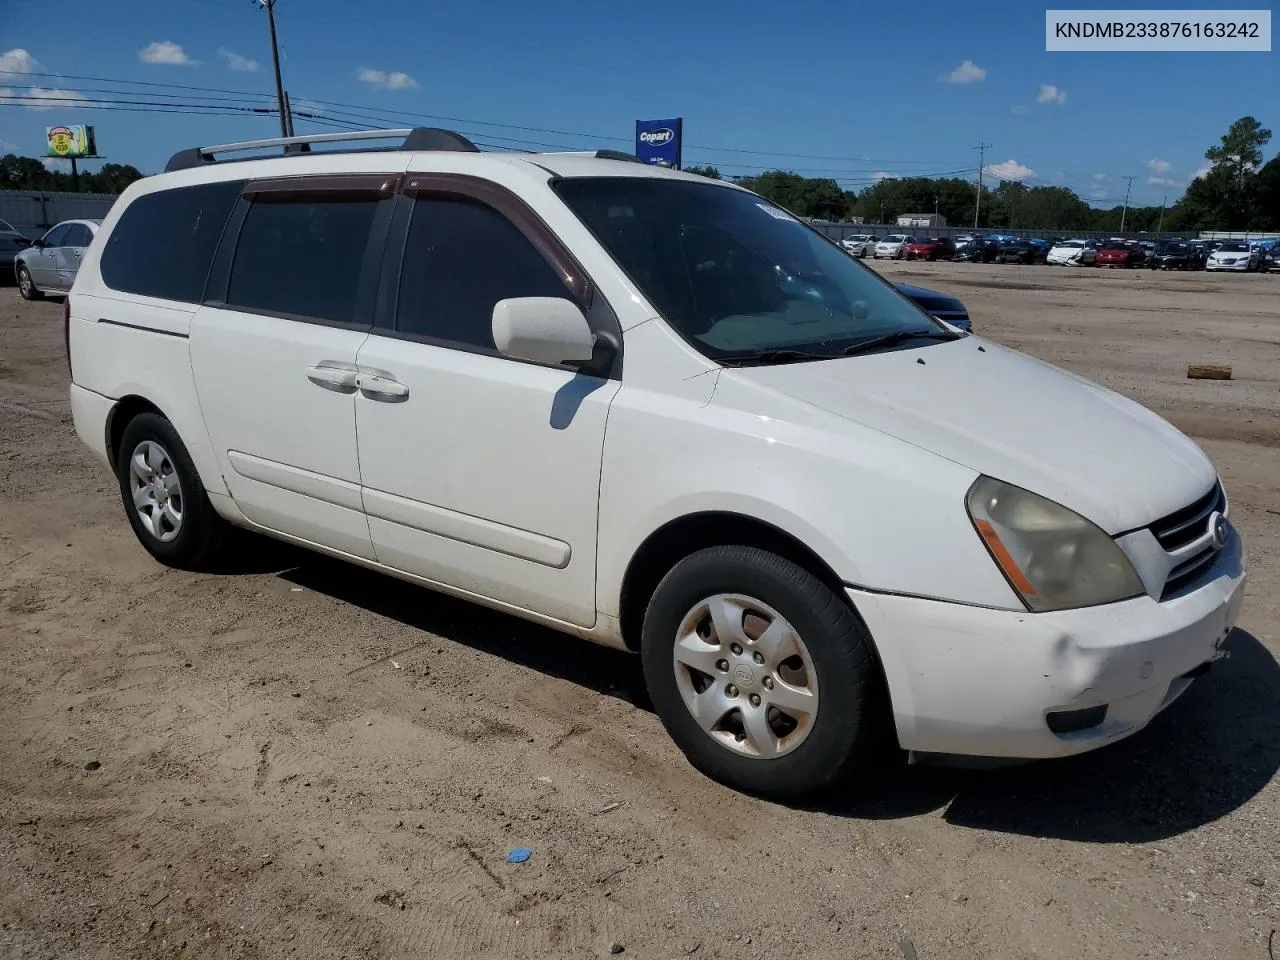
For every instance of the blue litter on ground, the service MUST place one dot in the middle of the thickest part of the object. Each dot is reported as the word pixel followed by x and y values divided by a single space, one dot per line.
pixel 519 855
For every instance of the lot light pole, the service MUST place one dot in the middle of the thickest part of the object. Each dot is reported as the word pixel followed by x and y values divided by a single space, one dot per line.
pixel 270 7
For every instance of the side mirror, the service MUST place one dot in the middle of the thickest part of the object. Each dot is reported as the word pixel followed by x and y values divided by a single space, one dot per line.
pixel 542 329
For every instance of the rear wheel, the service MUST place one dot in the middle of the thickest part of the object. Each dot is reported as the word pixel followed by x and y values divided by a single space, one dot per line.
pixel 164 497
pixel 763 676
pixel 26 286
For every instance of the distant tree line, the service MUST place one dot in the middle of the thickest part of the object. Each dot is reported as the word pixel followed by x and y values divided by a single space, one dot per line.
pixel 24 173
pixel 1238 192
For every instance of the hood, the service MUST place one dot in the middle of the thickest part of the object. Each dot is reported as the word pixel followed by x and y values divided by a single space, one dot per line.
pixel 1012 417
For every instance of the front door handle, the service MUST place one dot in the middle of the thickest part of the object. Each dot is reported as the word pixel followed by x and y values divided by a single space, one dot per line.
pixel 381 387
pixel 340 378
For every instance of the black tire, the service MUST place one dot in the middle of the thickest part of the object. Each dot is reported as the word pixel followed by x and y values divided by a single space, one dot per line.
pixel 26 286
pixel 202 536
pixel 852 729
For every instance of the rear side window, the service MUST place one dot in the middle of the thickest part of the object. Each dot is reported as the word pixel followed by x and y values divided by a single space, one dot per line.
pixel 460 259
pixel 301 257
pixel 80 236
pixel 163 244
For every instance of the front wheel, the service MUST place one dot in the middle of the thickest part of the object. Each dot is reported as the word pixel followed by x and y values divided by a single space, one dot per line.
pixel 27 286
pixel 165 499
pixel 765 678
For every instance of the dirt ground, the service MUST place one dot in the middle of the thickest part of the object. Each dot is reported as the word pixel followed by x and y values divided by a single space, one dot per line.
pixel 301 759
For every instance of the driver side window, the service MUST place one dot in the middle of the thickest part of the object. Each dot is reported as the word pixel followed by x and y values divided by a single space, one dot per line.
pixel 57 237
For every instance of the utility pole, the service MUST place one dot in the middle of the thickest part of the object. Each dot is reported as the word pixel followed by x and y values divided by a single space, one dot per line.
pixel 1125 212
pixel 935 210
pixel 270 7
pixel 882 211
pixel 977 203
pixel 1163 201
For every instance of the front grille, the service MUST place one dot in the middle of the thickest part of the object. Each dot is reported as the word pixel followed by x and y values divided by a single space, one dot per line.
pixel 1187 572
pixel 1183 526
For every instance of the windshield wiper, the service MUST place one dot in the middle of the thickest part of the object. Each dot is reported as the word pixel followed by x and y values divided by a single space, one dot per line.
pixel 900 336
pixel 772 356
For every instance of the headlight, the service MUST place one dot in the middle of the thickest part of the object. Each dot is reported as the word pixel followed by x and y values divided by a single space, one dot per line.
pixel 1053 557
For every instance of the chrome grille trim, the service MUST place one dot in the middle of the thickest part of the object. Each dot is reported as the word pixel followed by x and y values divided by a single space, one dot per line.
pixel 1185 525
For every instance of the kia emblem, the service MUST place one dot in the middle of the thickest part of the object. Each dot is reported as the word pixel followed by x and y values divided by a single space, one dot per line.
pixel 1218 526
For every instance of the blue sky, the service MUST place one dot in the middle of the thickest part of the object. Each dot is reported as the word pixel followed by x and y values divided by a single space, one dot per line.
pixel 840 89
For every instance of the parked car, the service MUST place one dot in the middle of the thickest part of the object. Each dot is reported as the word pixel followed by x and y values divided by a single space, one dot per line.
pixel 1235 255
pixel 860 245
pixel 943 306
pixel 487 374
pixel 1119 253
pixel 891 247
pixel 977 250
pixel 1148 248
pixel 935 248
pixel 1074 253
pixel 50 264
pixel 12 240
pixel 1176 255
pixel 1271 258
pixel 1015 251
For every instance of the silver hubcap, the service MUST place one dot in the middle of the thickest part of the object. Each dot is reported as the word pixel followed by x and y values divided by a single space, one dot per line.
pixel 746 676
pixel 157 494
pixel 24 282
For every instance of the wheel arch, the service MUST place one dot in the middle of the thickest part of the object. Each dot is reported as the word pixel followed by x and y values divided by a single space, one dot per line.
pixel 682 536
pixel 125 410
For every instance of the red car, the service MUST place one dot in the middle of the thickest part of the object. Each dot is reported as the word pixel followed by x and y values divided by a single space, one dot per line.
pixel 935 248
pixel 1115 253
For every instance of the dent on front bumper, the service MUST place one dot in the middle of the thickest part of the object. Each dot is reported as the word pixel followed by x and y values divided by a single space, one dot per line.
pixel 980 682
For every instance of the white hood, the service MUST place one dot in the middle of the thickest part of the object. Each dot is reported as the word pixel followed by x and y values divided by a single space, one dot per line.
pixel 1012 417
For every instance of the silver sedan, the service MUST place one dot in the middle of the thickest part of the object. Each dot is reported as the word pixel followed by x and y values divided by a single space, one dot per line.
pixel 50 264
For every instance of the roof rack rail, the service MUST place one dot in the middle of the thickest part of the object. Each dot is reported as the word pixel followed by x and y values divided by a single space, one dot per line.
pixel 598 154
pixel 413 138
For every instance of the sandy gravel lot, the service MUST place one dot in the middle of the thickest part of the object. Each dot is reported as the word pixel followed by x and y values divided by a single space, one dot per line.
pixel 301 759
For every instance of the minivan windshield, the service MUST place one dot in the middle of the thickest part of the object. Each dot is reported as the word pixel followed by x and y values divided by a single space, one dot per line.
pixel 741 279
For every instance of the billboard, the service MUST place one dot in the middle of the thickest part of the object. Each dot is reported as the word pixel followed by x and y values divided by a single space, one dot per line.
pixel 658 141
pixel 73 141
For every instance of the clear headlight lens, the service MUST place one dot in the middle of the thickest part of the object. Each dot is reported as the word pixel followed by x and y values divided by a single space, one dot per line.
pixel 1053 557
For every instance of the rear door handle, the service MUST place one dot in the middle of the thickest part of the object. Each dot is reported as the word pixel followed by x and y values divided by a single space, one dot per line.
pixel 339 377
pixel 381 387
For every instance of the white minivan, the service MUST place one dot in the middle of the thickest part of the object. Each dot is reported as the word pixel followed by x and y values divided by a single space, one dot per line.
pixel 660 413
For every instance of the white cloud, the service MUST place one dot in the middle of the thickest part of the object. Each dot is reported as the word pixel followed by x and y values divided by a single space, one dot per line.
pixel 41 98
pixel 1159 167
pixel 56 164
pixel 1009 170
pixel 1201 173
pixel 388 81
pixel 1051 94
pixel 883 175
pixel 237 61
pixel 1100 176
pixel 967 72
pixel 18 60
pixel 1162 181
pixel 167 53
pixel 7 147
pixel 306 106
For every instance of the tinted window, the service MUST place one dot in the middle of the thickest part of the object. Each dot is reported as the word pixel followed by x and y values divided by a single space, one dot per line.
pixel 163 244
pixel 57 237
pixel 460 259
pixel 79 236
pixel 301 257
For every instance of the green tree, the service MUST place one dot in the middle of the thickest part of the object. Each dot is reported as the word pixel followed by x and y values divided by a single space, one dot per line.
pixel 1268 194
pixel 25 173
pixel 710 172
pixel 1228 197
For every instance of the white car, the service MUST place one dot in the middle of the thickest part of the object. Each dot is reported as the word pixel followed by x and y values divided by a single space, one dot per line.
pixel 859 245
pixel 654 411
pixel 1235 255
pixel 1074 253
pixel 891 246
pixel 50 264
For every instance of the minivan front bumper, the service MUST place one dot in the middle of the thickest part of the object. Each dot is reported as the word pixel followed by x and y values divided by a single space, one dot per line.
pixel 974 681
